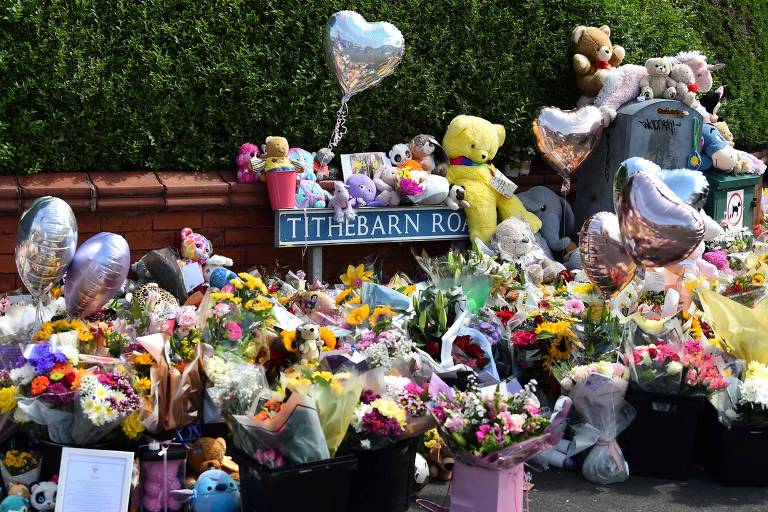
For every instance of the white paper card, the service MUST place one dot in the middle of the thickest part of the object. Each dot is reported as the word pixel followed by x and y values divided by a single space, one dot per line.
pixel 502 184
pixel 94 481
pixel 193 276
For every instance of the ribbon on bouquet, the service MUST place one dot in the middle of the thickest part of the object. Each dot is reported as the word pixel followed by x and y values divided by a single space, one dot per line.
pixel 614 449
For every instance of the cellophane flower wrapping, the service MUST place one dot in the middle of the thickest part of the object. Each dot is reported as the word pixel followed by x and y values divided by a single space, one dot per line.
pixel 102 402
pixel 175 395
pixel 294 433
pixel 334 396
pixel 599 400
pixel 656 368
pixel 475 416
pixel 745 400
pixel 234 386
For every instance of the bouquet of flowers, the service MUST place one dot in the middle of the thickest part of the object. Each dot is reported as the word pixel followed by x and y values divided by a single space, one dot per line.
pixel 7 405
pixel 47 378
pixel 236 386
pixel 656 368
pixel 104 401
pixel 377 335
pixel 597 391
pixel 377 420
pixel 745 400
pixel 491 432
pixel 747 289
pixel 21 467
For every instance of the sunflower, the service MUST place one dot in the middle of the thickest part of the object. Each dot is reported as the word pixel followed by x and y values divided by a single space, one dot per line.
pixel 45 332
pixel 359 315
pixel 289 338
pixel 356 276
pixel 559 329
pixel 758 279
pixel 561 340
pixel 696 332
pixel 329 339
pixel 380 311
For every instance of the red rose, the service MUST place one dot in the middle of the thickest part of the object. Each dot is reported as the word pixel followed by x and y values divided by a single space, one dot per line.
pixel 505 315
pixel 463 342
pixel 523 338
pixel 652 352
pixel 432 348
pixel 565 275
pixel 538 320
pixel 543 304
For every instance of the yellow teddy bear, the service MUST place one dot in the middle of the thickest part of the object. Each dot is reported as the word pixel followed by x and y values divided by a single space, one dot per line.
pixel 471 143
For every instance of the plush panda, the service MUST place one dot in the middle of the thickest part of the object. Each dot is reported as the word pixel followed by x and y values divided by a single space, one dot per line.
pixel 43 496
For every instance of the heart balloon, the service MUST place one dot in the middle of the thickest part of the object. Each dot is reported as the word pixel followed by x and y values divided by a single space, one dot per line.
pixel 46 238
pixel 97 272
pixel 566 138
pixel 361 54
pixel 658 228
pixel 690 186
pixel 603 257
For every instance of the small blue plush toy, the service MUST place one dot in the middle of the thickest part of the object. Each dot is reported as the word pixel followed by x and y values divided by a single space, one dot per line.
pixel 15 504
pixel 215 491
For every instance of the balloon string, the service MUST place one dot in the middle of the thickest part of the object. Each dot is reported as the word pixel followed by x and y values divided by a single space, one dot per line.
pixel 340 129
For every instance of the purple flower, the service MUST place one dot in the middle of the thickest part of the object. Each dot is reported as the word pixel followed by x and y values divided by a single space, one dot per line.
pixel 367 338
pixel 455 424
pixel 482 432
pixel 717 258
pixel 368 396
pixel 377 424
pixel 58 394
pixel 390 338
pixel 43 359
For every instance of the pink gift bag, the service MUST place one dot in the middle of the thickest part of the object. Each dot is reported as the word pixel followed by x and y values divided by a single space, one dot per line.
pixel 476 489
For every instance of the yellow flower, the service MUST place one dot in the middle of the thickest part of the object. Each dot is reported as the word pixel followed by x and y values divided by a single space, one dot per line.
pixel 7 399
pixel 144 385
pixel 390 409
pixel 409 290
pixel 696 332
pixel 758 279
pixel 583 289
pixel 356 276
pixel 45 332
pixel 144 359
pixel 356 300
pixel 260 304
pixel 343 294
pixel 219 296
pixel 329 339
pixel 359 315
pixel 237 283
pixel 558 329
pixel 325 375
pixel 336 387
pixel 132 427
pixel 379 311
pixel 756 371
pixel 764 258
pixel 56 292
pixel 289 337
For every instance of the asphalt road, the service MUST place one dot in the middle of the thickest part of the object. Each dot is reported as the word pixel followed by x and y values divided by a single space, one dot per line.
pixel 561 491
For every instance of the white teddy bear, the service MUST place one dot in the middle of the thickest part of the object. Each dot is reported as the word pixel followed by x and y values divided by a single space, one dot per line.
pixel 309 342
pixel 515 241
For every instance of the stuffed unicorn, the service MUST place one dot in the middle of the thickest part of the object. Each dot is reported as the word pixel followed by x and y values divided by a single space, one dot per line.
pixel 310 195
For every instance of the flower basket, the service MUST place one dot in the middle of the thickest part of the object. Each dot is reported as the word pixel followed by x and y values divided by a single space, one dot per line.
pixel 281 187
pixel 384 480
pixel 660 442
pixel 321 485
pixel 27 478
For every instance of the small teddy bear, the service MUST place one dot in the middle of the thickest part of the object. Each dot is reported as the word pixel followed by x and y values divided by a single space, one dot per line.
pixel 276 149
pixel 515 241
pixel 309 342
pixel 386 180
pixel 249 164
pixel 159 479
pixel 195 247
pixel 594 56
pixel 17 489
pixel 216 273
pixel 658 83
pixel 43 496
pixel 685 83
pixel 455 199
pixel 210 453
pixel 323 157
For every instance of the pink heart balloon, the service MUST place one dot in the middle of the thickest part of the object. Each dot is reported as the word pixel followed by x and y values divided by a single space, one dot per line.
pixel 603 257
pixel 658 228
pixel 566 138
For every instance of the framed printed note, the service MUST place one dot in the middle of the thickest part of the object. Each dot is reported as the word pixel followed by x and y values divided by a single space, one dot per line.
pixel 94 481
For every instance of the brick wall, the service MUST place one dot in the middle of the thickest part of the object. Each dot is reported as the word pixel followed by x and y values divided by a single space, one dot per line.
pixel 149 209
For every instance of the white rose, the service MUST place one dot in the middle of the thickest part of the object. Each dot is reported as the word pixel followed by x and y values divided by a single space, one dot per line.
pixel 674 368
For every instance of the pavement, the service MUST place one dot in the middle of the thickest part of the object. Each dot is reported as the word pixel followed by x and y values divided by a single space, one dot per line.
pixel 567 491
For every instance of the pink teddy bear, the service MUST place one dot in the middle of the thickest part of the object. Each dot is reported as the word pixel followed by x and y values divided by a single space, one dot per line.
pixel 195 247
pixel 158 483
pixel 247 163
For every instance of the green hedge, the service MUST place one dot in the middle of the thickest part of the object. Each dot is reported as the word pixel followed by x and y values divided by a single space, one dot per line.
pixel 179 84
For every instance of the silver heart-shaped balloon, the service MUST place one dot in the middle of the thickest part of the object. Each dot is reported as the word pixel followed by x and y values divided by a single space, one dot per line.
pixel 566 138
pixel 361 54
pixel 689 185
pixel 658 228
pixel 46 239
pixel 603 257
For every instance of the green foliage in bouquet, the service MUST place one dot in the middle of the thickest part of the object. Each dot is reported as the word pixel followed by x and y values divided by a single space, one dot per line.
pixel 433 312
pixel 106 85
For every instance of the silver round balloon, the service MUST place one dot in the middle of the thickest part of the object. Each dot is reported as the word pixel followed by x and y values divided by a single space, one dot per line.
pixel 689 185
pixel 46 239
pixel 361 54
pixel 97 272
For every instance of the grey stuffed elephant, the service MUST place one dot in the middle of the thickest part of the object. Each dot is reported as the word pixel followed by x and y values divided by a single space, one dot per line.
pixel 555 213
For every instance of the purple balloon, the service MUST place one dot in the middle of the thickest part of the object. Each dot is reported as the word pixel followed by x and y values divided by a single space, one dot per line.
pixel 97 272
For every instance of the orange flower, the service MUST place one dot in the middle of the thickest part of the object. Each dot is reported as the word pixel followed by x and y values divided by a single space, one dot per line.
pixel 78 378
pixel 60 371
pixel 39 385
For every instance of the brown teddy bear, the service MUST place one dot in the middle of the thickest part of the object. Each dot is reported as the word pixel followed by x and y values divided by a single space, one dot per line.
pixel 209 453
pixel 594 57
pixel 17 489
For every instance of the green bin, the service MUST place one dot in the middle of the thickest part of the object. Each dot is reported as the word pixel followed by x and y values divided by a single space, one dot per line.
pixel 732 198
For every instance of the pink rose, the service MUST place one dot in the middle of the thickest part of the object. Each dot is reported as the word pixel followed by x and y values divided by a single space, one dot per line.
pixel 234 332
pixel 516 423
pixel 228 288
pixel 618 369
pixel 221 309
pixel 186 318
